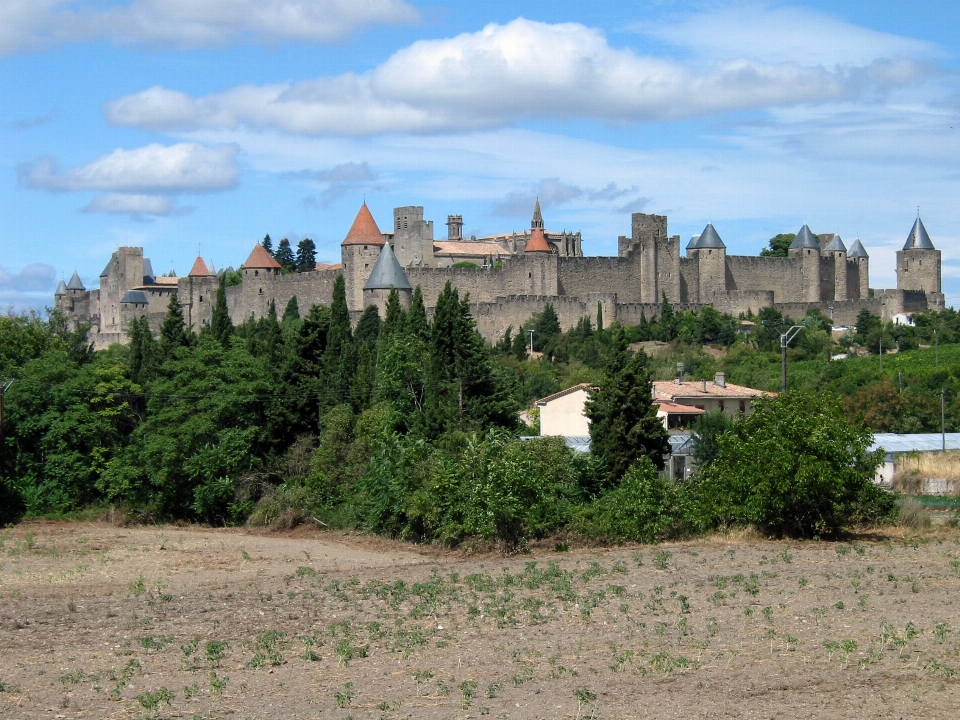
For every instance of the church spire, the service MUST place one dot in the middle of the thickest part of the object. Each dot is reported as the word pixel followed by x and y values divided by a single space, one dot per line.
pixel 537 222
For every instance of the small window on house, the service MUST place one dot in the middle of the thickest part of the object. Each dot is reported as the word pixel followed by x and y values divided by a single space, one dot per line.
pixel 256 273
pixel 261 291
pixel 743 407
pixel 201 298
pixel 721 406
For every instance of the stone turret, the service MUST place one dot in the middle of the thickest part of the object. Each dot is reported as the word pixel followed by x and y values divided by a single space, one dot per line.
pixel 838 252
pixel 806 248
pixel 711 254
pixel 413 237
pixel 386 275
pixel 359 251
pixel 857 256
pixel 918 264
pixel 539 259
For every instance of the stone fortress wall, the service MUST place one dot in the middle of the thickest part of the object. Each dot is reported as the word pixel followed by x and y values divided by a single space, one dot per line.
pixel 516 275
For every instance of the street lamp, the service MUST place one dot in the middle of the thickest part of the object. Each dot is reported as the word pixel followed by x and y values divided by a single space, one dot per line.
pixel 785 337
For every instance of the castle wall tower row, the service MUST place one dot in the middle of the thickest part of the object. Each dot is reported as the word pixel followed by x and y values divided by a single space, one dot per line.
pixel 508 277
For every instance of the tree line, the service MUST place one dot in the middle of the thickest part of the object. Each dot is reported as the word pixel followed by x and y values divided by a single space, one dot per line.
pixel 403 425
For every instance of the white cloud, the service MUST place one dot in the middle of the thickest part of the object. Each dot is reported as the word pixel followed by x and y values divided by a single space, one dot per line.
pixel 762 32
pixel 33 24
pixel 505 73
pixel 36 277
pixel 138 207
pixel 550 192
pixel 184 167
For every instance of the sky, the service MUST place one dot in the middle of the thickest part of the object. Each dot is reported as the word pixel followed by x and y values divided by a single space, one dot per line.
pixel 186 127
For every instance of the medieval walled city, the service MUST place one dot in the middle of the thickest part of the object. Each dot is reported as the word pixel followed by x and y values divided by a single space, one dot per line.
pixel 509 277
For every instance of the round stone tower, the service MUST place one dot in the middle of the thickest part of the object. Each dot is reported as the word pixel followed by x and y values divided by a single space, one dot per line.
pixel 359 251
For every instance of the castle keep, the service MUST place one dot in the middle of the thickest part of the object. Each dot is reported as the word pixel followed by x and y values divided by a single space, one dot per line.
pixel 512 276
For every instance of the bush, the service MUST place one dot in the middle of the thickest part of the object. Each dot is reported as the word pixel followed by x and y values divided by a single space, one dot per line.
pixel 794 467
pixel 642 508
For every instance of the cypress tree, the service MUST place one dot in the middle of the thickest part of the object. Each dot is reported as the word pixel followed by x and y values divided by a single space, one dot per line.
pixel 173 333
pixel 339 317
pixel 267 244
pixel 599 316
pixel 221 326
pixel 623 419
pixel 368 329
pixel 291 313
pixel 417 316
pixel 394 321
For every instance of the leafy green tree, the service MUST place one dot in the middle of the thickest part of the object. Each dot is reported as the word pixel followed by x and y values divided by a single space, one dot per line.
pixel 546 329
pixel 221 326
pixel 778 245
pixel 203 431
pixel 623 420
pixel 464 391
pixel 707 431
pixel 306 255
pixel 642 508
pixel 284 256
pixel 795 467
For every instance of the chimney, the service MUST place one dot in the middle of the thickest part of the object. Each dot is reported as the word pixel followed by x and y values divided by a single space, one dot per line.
pixel 454 227
pixel 720 380
pixel 703 386
pixel 679 380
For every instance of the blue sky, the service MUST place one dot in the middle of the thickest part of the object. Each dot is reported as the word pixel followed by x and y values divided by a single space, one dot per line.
pixel 184 126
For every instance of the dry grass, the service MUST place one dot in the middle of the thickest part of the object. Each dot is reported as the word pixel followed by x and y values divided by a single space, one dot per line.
pixel 931 464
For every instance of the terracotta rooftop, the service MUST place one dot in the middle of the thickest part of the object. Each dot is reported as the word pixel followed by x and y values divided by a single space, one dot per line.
pixel 364 230
pixel 548 398
pixel 199 268
pixel 454 247
pixel 327 266
pixel 670 390
pixel 260 259
pixel 166 280
pixel 673 408
pixel 537 242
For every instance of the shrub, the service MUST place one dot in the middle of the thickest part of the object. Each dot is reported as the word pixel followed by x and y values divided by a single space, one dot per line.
pixel 641 508
pixel 794 467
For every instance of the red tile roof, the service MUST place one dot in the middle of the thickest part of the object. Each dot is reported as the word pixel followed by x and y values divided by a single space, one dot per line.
pixel 327 266
pixel 364 230
pixel 537 242
pixel 670 390
pixel 199 268
pixel 260 259
pixel 471 248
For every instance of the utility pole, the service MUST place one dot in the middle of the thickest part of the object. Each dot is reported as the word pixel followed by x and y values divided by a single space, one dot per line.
pixel 785 337
pixel 881 347
pixel 531 343
pixel 936 342
pixel 3 455
pixel 943 416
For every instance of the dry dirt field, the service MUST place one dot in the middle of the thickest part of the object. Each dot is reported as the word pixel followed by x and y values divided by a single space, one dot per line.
pixel 98 621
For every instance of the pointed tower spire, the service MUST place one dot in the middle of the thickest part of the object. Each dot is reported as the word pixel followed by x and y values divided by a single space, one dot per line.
pixel 537 222
pixel 364 230
pixel 387 272
pixel 75 282
pixel 918 238
pixel 61 289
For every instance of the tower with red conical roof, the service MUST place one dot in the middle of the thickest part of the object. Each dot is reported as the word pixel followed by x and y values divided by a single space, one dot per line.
pixel 540 259
pixel 359 252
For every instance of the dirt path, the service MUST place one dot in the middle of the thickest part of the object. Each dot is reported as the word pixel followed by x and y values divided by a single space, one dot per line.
pixel 98 621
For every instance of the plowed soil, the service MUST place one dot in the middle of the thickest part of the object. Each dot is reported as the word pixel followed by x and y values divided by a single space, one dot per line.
pixel 98 621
